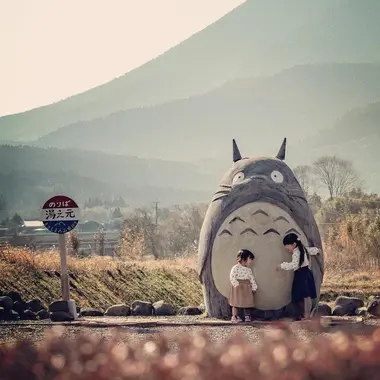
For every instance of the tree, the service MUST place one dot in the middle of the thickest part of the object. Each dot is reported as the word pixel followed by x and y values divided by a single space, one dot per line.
pixel 17 220
pixel 305 177
pixel 338 175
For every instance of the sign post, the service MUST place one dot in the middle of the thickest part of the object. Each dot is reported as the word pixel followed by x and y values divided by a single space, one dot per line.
pixel 60 215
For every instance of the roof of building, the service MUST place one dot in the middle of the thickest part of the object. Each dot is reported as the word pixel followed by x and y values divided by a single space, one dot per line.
pixel 33 223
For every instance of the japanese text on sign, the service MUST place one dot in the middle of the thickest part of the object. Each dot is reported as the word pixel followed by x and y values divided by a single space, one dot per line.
pixel 59 204
pixel 60 214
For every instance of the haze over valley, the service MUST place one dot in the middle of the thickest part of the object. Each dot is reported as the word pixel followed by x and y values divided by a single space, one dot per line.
pixel 305 70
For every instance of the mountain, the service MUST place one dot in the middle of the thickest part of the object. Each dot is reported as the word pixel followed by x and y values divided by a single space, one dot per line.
pixel 118 169
pixel 29 176
pixel 355 137
pixel 260 37
pixel 295 103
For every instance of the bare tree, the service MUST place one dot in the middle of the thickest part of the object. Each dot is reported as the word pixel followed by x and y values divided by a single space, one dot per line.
pixel 305 176
pixel 338 175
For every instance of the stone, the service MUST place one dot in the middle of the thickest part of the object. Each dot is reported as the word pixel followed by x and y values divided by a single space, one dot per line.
pixel 19 306
pixel 361 312
pixel 142 308
pixel 11 315
pixel 118 311
pixel 256 203
pixel 163 309
pixel 6 303
pixel 189 310
pixel 338 311
pixel 348 305
pixel 34 305
pixel 15 296
pixel 28 315
pixel 59 306
pixel 2 314
pixel 324 310
pixel 61 316
pixel 43 314
pixel 373 306
pixel 90 312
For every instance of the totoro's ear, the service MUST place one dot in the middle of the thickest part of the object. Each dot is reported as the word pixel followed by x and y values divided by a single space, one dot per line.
pixel 282 152
pixel 236 156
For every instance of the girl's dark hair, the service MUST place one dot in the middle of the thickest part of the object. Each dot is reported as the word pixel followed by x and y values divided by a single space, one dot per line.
pixel 244 255
pixel 294 239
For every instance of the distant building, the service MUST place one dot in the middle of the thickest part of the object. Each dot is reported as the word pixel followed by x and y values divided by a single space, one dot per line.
pixel 90 226
pixel 4 231
pixel 31 226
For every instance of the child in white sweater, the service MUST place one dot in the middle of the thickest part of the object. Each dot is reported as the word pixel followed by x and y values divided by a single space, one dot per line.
pixel 243 285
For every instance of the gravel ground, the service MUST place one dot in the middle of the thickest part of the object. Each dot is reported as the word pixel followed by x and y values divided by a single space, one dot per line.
pixel 9 332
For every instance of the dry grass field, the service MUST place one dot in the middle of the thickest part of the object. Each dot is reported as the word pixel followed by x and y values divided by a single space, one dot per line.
pixel 102 281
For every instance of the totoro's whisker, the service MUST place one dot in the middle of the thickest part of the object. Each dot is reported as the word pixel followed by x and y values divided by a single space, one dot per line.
pixel 227 186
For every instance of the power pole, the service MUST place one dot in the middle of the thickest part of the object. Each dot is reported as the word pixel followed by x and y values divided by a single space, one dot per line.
pixel 156 208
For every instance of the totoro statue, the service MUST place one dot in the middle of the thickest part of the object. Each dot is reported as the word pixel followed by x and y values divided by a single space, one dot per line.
pixel 258 202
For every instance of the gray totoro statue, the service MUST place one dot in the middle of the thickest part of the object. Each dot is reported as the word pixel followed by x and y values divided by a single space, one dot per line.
pixel 257 203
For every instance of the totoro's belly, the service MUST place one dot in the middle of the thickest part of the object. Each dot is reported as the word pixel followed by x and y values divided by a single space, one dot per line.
pixel 259 227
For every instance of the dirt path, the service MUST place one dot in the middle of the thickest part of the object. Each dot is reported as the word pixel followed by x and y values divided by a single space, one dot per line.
pixel 136 329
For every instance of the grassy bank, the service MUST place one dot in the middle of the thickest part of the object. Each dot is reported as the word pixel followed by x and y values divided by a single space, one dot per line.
pixel 100 281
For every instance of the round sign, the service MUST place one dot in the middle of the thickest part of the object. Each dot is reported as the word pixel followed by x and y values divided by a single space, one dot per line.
pixel 60 214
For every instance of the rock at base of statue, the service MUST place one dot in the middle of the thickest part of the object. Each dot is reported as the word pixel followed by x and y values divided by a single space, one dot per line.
pixel 142 308
pixel 91 312
pixel 59 306
pixel 161 308
pixel 347 306
pixel 61 316
pixel 323 310
pixel 373 306
pixel 118 311
pixel 189 310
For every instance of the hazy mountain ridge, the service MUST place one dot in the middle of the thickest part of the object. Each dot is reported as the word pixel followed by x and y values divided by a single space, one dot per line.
pixel 355 137
pixel 113 169
pixel 257 38
pixel 29 176
pixel 297 102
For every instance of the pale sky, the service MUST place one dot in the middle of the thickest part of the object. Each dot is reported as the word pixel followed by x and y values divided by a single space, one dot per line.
pixel 51 49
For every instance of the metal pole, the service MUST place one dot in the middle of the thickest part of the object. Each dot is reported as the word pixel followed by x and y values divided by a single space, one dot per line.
pixel 64 275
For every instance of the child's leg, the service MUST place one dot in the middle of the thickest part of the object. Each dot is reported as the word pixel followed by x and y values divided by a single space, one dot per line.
pixel 307 307
pixel 247 315
pixel 234 312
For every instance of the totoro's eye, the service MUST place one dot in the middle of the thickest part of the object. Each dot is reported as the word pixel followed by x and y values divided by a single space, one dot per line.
pixel 239 177
pixel 277 176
